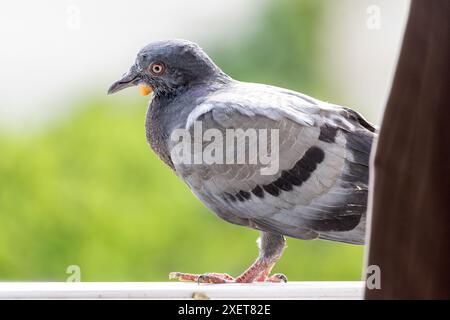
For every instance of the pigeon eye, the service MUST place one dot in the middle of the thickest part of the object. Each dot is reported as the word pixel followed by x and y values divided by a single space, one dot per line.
pixel 157 68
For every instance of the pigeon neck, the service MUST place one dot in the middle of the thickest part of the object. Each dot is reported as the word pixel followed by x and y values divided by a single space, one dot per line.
pixel 209 82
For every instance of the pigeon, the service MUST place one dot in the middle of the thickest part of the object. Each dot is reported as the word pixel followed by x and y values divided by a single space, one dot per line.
pixel 317 188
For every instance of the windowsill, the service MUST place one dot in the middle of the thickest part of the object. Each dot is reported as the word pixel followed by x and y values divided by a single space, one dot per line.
pixel 181 290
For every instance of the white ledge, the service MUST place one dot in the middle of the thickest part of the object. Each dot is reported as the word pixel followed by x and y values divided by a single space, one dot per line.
pixel 181 290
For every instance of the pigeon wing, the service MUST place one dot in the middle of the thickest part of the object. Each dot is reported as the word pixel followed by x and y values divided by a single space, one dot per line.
pixel 320 187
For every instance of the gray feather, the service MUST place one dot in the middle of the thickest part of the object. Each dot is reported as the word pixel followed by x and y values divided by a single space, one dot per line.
pixel 322 199
pixel 321 187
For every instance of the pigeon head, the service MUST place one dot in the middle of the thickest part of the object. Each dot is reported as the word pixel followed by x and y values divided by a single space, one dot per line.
pixel 168 67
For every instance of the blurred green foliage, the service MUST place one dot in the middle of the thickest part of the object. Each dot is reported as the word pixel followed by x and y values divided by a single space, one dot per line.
pixel 88 191
pixel 281 50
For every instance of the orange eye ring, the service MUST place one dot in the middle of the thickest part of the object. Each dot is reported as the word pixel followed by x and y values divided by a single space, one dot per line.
pixel 157 68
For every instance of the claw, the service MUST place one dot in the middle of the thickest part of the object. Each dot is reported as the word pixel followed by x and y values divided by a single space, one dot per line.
pixel 174 275
pixel 278 277
pixel 200 279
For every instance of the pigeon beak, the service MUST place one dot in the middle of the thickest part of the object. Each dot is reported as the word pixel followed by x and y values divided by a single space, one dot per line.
pixel 129 79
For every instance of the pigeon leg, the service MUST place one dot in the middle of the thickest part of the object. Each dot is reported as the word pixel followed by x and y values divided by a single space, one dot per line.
pixel 271 246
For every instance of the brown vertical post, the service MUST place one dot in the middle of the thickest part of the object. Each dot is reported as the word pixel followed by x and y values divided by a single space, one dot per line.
pixel 410 229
